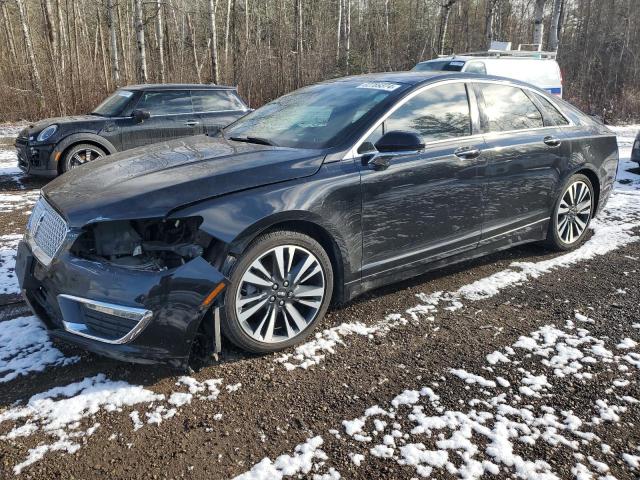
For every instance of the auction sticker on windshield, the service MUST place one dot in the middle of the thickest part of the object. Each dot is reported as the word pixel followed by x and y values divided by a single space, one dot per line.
pixel 389 87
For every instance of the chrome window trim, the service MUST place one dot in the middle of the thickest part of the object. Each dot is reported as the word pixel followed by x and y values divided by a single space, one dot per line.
pixel 352 153
pixel 144 317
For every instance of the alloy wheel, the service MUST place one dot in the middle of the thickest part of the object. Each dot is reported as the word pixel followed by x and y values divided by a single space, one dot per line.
pixel 574 212
pixel 280 294
pixel 83 156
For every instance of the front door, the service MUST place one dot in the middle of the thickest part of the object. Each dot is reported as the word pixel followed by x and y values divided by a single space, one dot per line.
pixel 428 204
pixel 171 117
pixel 526 152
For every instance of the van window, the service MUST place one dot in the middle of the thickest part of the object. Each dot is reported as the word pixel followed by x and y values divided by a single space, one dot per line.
pixel 508 108
pixel 439 65
pixel 552 116
pixel 476 67
pixel 435 114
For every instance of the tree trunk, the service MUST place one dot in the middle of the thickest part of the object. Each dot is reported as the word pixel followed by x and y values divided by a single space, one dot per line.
pixel 140 42
pixel 33 67
pixel 488 23
pixel 339 30
pixel 77 50
pixel 103 53
pixel 194 52
pixel 226 35
pixel 445 11
pixel 347 36
pixel 49 24
pixel 298 22
pixel 555 25
pixel 9 33
pixel 538 21
pixel 113 43
pixel 160 35
pixel 215 75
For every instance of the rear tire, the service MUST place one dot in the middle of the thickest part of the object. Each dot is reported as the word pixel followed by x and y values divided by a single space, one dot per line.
pixel 79 155
pixel 572 214
pixel 279 290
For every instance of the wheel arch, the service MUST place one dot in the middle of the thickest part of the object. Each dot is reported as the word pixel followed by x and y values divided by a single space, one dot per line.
pixel 595 183
pixel 328 238
pixel 72 140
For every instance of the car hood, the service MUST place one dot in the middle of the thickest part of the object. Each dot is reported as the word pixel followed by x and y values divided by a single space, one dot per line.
pixel 151 181
pixel 75 119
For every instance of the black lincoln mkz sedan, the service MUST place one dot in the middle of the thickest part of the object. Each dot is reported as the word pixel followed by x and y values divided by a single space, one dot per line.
pixel 316 197
pixel 133 116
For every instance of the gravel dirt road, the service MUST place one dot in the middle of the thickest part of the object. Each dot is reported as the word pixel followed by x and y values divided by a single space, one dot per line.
pixel 524 364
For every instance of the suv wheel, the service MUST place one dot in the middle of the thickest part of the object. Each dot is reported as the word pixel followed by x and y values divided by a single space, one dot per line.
pixel 280 288
pixel 81 154
pixel 572 214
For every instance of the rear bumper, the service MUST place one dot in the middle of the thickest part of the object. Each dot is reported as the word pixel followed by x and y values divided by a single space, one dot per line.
pixel 173 298
pixel 36 160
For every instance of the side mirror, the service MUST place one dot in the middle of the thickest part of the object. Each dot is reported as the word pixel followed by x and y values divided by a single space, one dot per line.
pixel 399 141
pixel 140 115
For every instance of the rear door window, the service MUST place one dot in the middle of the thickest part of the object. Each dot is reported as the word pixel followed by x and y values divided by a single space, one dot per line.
pixel 437 113
pixel 166 103
pixel 508 108
pixel 552 117
pixel 215 100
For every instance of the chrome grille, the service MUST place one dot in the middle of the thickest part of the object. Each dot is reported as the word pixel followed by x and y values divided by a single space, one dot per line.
pixel 46 231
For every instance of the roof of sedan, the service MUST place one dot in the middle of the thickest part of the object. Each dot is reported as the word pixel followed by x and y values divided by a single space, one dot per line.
pixel 179 86
pixel 416 77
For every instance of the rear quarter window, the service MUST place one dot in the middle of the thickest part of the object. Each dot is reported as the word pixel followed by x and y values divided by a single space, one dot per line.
pixel 215 100
pixel 552 117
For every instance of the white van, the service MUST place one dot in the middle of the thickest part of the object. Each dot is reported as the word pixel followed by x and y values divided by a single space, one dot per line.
pixel 537 68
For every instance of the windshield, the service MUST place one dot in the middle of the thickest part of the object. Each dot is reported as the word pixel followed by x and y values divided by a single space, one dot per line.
pixel 114 104
pixel 312 117
pixel 439 65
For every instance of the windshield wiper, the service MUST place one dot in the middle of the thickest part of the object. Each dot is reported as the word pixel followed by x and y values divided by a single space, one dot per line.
pixel 96 114
pixel 258 140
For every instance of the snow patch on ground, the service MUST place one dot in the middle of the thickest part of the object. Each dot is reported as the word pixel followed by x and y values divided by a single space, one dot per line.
pixel 8 280
pixel 306 457
pixel 25 348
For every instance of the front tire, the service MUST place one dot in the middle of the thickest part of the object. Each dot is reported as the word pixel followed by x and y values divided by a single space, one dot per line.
pixel 572 214
pixel 279 290
pixel 79 155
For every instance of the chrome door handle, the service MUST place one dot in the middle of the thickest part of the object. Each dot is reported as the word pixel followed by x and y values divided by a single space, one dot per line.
pixel 551 141
pixel 467 152
pixel 191 123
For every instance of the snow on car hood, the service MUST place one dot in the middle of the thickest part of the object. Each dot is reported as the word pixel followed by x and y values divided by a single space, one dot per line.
pixel 152 181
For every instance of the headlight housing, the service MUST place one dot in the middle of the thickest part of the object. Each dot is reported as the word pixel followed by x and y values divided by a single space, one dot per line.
pixel 153 244
pixel 47 133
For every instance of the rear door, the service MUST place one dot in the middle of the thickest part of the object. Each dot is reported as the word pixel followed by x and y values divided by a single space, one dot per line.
pixel 526 156
pixel 217 108
pixel 172 116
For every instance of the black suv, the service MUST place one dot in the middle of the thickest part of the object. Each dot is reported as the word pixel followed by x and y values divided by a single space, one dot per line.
pixel 133 116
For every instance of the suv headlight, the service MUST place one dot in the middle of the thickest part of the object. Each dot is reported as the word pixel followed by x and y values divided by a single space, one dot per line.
pixel 47 133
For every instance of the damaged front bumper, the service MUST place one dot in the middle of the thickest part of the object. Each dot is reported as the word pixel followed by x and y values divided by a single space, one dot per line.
pixel 134 316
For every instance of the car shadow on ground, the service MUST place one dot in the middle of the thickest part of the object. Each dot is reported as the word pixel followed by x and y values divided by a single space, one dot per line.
pixel 148 375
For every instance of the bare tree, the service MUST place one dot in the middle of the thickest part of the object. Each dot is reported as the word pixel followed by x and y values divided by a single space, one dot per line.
pixel 555 25
pixel 538 21
pixel 140 42
pixel 33 67
pixel 445 11
pixel 215 76
pixel 160 35
pixel 113 43
pixel 488 22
